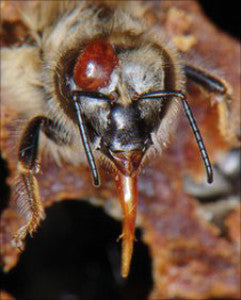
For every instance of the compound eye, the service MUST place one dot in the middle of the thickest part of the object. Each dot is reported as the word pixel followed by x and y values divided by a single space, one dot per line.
pixel 95 65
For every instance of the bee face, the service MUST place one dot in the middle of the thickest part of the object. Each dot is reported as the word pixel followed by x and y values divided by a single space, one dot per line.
pixel 112 78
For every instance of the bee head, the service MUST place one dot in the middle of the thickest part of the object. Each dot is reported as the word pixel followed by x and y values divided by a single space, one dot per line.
pixel 104 83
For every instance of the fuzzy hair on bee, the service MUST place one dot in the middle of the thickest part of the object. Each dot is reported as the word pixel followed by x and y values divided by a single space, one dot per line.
pixel 96 85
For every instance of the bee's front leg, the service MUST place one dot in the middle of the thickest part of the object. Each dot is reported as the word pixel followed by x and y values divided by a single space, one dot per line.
pixel 208 81
pixel 220 88
pixel 27 189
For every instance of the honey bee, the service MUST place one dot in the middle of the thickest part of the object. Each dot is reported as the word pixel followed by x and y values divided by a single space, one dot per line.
pixel 100 86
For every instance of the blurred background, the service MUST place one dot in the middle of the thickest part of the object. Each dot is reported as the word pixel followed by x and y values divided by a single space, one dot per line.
pixel 74 255
pixel 224 14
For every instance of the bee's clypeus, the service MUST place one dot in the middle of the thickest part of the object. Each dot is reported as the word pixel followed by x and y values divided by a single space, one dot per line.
pixel 108 84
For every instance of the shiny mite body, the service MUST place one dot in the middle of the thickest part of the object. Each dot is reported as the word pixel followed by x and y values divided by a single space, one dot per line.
pixel 98 81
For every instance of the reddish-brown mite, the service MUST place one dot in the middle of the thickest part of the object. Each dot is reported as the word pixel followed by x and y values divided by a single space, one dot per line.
pixel 95 65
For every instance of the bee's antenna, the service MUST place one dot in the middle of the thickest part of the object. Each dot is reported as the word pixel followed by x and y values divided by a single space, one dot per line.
pixel 192 123
pixel 199 140
pixel 85 141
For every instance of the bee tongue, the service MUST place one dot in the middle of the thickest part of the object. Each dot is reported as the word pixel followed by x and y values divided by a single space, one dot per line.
pixel 126 183
pixel 127 189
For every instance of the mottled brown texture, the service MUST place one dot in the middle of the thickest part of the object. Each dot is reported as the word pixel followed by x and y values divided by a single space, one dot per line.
pixel 233 224
pixel 12 30
pixel 190 260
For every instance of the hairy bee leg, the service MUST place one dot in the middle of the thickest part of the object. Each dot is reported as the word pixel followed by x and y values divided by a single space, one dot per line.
pixel 217 86
pixel 29 204
pixel 27 189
